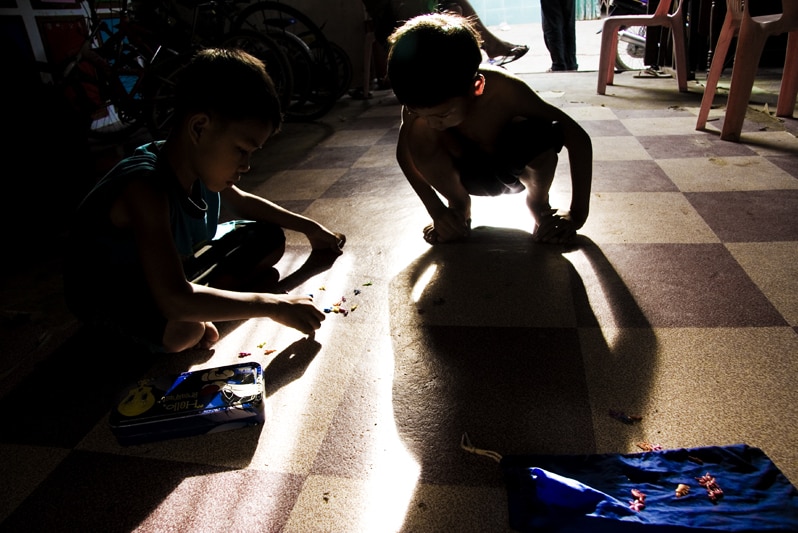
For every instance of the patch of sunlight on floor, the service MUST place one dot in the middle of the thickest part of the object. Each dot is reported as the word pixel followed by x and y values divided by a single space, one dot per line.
pixel 392 479
pixel 506 211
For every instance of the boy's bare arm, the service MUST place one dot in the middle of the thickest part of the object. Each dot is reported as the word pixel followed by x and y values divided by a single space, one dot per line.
pixel 576 141
pixel 580 157
pixel 253 207
pixel 146 213
pixel 451 221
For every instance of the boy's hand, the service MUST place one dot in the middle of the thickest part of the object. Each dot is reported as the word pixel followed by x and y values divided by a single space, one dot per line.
pixel 555 228
pixel 298 312
pixel 323 239
pixel 449 226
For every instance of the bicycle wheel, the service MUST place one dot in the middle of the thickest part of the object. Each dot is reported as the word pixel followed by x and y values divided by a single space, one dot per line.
pixel 631 49
pixel 271 53
pixel 160 94
pixel 286 24
pixel 343 70
pixel 162 79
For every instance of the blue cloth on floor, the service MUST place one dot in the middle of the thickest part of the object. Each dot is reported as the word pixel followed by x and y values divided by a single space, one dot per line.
pixel 593 492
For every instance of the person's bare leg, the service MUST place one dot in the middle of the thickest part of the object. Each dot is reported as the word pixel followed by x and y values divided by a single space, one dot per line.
pixel 180 336
pixel 551 225
pixel 493 46
pixel 435 161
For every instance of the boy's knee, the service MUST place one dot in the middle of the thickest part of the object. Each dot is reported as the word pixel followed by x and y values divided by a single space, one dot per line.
pixel 181 336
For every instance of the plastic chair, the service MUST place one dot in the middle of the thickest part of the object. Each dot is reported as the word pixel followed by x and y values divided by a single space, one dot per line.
pixel 661 17
pixel 729 30
pixel 754 31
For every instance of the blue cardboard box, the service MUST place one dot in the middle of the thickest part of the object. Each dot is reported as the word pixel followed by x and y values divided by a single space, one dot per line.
pixel 191 403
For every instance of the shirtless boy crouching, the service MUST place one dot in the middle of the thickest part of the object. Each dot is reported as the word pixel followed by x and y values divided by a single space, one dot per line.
pixel 471 129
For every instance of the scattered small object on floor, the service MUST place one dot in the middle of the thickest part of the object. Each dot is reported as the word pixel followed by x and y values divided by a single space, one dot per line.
pixel 623 417
pixel 649 447
pixel 682 490
pixel 338 306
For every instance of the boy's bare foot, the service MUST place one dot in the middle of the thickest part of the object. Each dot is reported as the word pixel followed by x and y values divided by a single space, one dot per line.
pixel 432 237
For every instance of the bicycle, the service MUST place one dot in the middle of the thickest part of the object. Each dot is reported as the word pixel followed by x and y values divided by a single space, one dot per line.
pixel 207 27
pixel 106 76
pixel 322 69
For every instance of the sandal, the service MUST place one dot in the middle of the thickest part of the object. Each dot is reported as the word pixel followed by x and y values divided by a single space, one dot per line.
pixel 515 53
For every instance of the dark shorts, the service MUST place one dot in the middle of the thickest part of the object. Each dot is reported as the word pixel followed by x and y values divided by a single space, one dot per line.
pixel 494 174
pixel 131 312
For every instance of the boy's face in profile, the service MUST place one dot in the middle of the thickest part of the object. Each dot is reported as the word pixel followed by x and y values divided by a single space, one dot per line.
pixel 449 114
pixel 452 112
pixel 224 150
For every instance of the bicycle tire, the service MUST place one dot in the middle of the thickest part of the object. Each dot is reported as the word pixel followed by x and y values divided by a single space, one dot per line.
pixel 160 94
pixel 631 56
pixel 275 18
pixel 344 69
pixel 271 54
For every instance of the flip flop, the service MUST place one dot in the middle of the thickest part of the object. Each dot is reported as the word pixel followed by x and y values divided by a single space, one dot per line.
pixel 515 53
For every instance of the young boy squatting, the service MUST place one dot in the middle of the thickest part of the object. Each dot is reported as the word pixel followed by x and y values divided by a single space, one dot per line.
pixel 471 129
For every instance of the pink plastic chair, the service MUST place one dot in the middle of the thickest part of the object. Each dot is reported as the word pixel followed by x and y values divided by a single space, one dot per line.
pixel 751 38
pixel 661 17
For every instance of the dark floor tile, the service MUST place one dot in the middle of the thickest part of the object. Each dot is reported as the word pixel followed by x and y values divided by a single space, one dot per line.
pixel 334 157
pixel 683 146
pixel 749 216
pixel 688 285
pixel 630 176
pixel 382 182
pixel 372 123
pixel 69 392
pixel 102 492
pixel 605 128
pixel 390 137
pixel 788 163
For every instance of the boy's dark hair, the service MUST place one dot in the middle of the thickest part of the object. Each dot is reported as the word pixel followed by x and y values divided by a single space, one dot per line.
pixel 229 83
pixel 433 58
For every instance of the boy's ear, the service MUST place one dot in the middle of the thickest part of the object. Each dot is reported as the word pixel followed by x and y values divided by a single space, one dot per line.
pixel 197 125
pixel 479 84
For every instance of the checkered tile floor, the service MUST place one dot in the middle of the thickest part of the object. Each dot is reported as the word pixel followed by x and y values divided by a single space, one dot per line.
pixel 679 303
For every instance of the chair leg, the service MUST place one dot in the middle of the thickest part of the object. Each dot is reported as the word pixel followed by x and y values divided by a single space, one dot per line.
pixel 609 45
pixel 751 42
pixel 789 79
pixel 679 52
pixel 715 70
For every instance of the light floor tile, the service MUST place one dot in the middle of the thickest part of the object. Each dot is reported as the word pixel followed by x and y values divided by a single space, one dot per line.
pixel 741 173
pixel 774 268
pixel 659 125
pixel 625 148
pixel 657 217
